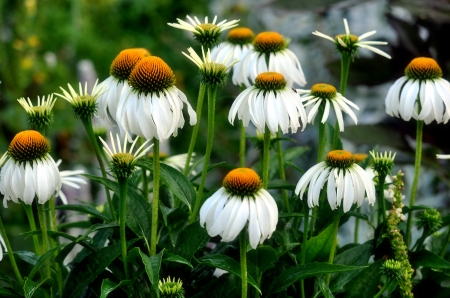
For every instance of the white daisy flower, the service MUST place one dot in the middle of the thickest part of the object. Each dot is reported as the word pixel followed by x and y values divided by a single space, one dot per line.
pixel 206 34
pixel 150 105
pixel 28 170
pixel 120 70
pixel 327 96
pixel 241 199
pixel 421 94
pixel 238 42
pixel 346 182
pixel 349 43
pixel 68 178
pixel 269 102
pixel 123 160
pixel 269 47
pixel 2 245
pixel 443 156
pixel 84 105
pixel 212 72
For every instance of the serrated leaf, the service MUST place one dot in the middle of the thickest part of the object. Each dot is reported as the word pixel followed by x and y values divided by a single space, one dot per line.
pixel 108 286
pixel 228 264
pixel 428 259
pixel 296 273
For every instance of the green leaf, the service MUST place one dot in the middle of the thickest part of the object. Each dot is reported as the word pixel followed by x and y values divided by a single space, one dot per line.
pixel 295 167
pixel 180 186
pixel 428 259
pixel 6 292
pixel 169 257
pixel 319 247
pixel 139 215
pixel 90 267
pixel 108 286
pixel 43 258
pixel 27 256
pixel 30 287
pixel 282 249
pixel 152 265
pixel 86 209
pixel 210 167
pixel 132 191
pixel 294 152
pixel 407 209
pixel 263 257
pixel 324 288
pixel 190 240
pixel 284 215
pixel 83 224
pixel 280 184
pixel 226 263
pixel 96 227
pixel 296 273
pixel 365 284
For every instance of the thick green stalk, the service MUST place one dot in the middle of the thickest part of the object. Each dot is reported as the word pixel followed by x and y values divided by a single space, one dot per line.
pixel 305 239
pixel 211 111
pixel 32 222
pixel 381 199
pixel 201 96
pixel 43 224
pixel 336 219
pixel 123 185
pixel 415 180
pixel 322 136
pixel 10 253
pixel 356 236
pixel 243 261
pixel 54 227
pixel 155 202
pixel 87 123
pixel 144 178
pixel 266 158
pixel 345 67
pixel 242 146
pixel 282 172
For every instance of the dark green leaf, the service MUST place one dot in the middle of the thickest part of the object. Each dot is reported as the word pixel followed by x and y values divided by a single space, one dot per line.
pixel 428 259
pixel 319 247
pixel 365 284
pixel 27 256
pixel 296 273
pixel 282 249
pixel 324 288
pixel 152 266
pixel 84 224
pixel 263 257
pixel 190 240
pixel 139 215
pixel 97 227
pixel 280 184
pixel 108 286
pixel 407 209
pixel 43 258
pixel 169 257
pixel 226 263
pixel 86 209
pixel 295 167
pixel 30 287
pixel 6 292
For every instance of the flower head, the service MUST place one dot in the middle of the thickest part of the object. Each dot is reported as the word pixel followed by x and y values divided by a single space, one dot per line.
pixel 28 170
pixel 383 163
pixel 238 42
pixel 392 269
pixel 349 43
pixel 240 199
pixel 269 47
pixel 123 160
pixel 206 34
pixel 120 70
pixel 171 288
pixel 84 105
pixel 41 115
pixel 325 96
pixel 212 73
pixel 421 94
pixel 430 219
pixel 150 105
pixel 269 102
pixel 346 182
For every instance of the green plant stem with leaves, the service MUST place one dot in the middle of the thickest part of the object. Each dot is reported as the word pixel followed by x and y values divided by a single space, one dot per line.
pixel 43 224
pixel 123 185
pixel 212 90
pixel 155 202
pixel 32 222
pixel 243 261
pixel 447 241
pixel 412 198
pixel 201 96
pixel 266 158
pixel 336 219
pixel 10 254
pixel 281 169
pixel 87 123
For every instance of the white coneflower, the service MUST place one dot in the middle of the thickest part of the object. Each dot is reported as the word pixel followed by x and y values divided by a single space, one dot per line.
pixel 327 95
pixel 241 199
pixel 349 43
pixel 40 115
pixel 238 42
pixel 269 102
pixel 421 94
pixel 269 53
pixel 69 178
pixel 84 105
pixel 120 70
pixel 2 245
pixel 151 106
pixel 346 182
pixel 28 170
pixel 206 34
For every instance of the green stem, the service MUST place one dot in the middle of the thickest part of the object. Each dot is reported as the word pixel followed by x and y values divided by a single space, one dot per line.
pixel 54 227
pixel 123 185
pixel 87 123
pixel 356 236
pixel 383 289
pixel 155 203
pixel 335 242
pixel 266 157
pixel 10 253
pixel 243 259
pixel 381 199
pixel 32 222
pixel 201 96
pixel 211 110
pixel 322 137
pixel 305 239
pixel 447 240
pixel 415 180
pixel 282 172
pixel 144 178
pixel 242 143
pixel 43 224
pixel 345 67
